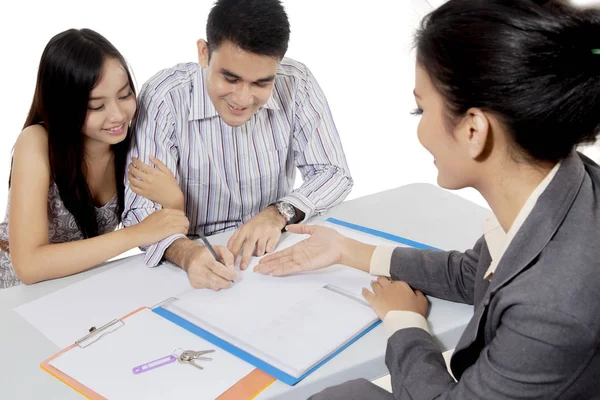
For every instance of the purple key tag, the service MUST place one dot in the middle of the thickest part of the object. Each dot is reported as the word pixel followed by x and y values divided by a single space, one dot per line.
pixel 153 364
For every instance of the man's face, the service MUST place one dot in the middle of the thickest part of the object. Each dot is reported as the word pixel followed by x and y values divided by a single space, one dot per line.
pixel 239 82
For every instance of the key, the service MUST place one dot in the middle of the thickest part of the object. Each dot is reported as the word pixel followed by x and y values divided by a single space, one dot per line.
pixel 187 355
pixel 198 355
pixel 190 357
pixel 187 358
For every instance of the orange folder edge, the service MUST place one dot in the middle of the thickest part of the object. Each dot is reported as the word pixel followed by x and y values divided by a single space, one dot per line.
pixel 246 388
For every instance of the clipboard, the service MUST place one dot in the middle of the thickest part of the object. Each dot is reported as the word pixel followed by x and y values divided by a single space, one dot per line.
pixel 247 388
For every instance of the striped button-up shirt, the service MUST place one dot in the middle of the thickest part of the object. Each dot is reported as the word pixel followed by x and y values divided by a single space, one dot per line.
pixel 229 174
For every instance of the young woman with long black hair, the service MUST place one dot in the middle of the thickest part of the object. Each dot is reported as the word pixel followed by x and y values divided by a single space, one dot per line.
pixel 68 168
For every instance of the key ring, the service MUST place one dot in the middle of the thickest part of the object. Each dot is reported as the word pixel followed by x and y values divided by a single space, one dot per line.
pixel 178 352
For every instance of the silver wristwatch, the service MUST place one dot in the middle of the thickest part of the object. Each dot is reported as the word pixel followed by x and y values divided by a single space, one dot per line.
pixel 287 211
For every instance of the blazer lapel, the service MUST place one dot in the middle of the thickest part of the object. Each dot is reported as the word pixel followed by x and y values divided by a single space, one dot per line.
pixel 537 230
pixel 543 222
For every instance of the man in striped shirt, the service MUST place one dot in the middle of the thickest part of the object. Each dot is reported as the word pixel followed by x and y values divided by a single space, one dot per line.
pixel 232 129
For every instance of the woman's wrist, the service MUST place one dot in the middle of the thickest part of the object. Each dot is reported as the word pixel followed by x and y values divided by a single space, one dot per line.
pixel 177 204
pixel 132 236
pixel 356 254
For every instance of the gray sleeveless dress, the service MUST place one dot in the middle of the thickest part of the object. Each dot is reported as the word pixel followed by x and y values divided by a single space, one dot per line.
pixel 61 228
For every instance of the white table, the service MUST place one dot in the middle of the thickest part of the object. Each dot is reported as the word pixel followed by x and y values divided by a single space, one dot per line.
pixel 420 212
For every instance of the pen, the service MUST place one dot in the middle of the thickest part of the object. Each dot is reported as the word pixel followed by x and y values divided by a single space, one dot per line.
pixel 211 249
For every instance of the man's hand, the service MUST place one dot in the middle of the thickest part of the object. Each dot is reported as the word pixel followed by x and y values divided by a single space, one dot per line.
pixel 394 295
pixel 206 272
pixel 202 268
pixel 258 236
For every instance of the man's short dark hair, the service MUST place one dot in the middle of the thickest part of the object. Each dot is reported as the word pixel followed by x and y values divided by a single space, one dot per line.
pixel 256 26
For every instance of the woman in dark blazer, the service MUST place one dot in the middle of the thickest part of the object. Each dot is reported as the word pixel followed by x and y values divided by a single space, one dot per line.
pixel 506 90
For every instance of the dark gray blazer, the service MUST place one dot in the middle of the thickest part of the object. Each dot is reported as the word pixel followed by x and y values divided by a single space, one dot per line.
pixel 535 333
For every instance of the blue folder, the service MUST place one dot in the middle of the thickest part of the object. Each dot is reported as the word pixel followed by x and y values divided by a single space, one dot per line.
pixel 258 363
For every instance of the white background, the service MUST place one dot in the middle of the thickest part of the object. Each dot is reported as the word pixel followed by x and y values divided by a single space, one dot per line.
pixel 359 51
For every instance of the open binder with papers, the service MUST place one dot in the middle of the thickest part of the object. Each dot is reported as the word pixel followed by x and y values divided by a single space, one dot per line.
pixel 287 327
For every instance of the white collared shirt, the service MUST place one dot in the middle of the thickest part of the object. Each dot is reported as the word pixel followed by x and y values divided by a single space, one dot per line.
pixel 496 239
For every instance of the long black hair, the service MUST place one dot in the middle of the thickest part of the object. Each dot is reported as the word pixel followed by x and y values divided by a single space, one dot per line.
pixel 533 64
pixel 70 67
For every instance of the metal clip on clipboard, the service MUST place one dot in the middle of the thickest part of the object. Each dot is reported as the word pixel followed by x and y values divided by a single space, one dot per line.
pixel 97 334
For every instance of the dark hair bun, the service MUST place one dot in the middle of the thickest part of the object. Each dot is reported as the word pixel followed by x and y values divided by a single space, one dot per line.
pixel 529 62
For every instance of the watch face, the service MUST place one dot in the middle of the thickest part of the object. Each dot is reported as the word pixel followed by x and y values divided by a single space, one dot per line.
pixel 287 210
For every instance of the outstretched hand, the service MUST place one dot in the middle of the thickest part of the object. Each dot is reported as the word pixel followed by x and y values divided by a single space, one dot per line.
pixel 322 249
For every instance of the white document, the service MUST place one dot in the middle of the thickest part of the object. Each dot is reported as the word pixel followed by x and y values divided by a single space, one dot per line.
pixel 67 314
pixel 293 322
pixel 106 365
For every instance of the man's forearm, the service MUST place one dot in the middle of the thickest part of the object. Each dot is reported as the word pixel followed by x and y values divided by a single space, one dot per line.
pixel 179 251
